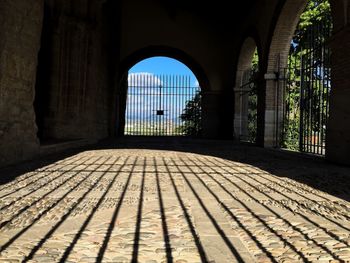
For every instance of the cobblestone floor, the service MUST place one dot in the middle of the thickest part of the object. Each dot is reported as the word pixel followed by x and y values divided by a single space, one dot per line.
pixel 178 201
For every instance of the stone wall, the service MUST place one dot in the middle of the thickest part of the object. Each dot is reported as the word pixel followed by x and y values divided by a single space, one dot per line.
pixel 338 131
pixel 78 83
pixel 70 99
pixel 20 30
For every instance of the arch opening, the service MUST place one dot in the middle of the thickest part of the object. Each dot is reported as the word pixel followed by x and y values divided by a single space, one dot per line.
pixel 298 83
pixel 246 93
pixel 163 98
pixel 307 81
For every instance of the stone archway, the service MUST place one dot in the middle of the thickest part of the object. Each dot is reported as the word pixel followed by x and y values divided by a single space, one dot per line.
pixel 241 94
pixel 140 55
pixel 278 58
pixel 153 51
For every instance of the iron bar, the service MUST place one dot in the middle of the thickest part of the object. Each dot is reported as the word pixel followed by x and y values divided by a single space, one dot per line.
pixel 312 95
pixel 160 105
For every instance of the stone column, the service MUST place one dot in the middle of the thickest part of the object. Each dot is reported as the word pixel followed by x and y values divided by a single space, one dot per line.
pixel 273 109
pixel 121 105
pixel 118 83
pixel 217 114
pixel 338 129
pixel 241 108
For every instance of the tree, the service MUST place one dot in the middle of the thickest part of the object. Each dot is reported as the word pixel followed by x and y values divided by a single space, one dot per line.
pixel 253 99
pixel 311 33
pixel 315 11
pixel 191 117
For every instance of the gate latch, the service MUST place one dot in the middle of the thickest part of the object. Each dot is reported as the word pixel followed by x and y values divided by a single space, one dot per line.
pixel 160 112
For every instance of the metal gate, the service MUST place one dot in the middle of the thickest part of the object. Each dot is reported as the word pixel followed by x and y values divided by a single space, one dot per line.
pixel 162 105
pixel 248 103
pixel 307 85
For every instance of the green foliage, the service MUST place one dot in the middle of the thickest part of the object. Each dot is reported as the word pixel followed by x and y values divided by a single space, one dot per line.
pixel 253 99
pixel 315 12
pixel 191 117
pixel 307 69
pixel 252 116
pixel 255 61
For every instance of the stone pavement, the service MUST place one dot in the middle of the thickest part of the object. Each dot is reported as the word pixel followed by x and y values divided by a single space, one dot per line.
pixel 152 200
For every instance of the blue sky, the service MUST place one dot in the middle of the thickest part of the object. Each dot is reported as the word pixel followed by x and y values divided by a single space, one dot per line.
pixel 143 92
pixel 163 65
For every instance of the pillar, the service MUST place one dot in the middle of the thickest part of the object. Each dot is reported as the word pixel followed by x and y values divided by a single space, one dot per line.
pixel 217 114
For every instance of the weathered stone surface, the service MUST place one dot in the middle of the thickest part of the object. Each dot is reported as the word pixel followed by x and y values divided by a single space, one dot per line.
pixel 19 46
pixel 213 204
pixel 23 33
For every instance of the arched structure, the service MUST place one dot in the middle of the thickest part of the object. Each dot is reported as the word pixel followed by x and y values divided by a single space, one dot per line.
pixel 338 126
pixel 93 43
pixel 242 86
pixel 277 59
pixel 149 52
pixel 165 51
pixel 151 103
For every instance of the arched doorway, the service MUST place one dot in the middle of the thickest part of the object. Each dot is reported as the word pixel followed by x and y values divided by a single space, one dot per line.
pixel 307 82
pixel 163 99
pixel 246 93
pixel 297 97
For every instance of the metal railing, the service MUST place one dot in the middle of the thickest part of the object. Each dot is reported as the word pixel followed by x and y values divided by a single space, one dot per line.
pixel 307 84
pixel 248 100
pixel 162 105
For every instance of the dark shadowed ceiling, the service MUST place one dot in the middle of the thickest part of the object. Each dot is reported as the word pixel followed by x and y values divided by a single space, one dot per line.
pixel 219 10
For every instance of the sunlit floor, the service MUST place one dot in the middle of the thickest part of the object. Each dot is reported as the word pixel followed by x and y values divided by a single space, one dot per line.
pixel 190 201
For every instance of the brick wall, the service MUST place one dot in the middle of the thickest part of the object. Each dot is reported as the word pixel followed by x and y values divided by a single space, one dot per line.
pixel 277 59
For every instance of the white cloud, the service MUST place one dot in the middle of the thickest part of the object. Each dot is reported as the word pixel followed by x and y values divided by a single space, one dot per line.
pixel 145 97
pixel 144 79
